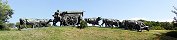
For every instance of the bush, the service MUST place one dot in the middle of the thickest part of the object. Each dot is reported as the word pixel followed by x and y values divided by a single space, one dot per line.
pixel 172 34
pixel 175 28
pixel 4 27
pixel 157 28
pixel 83 24
pixel 167 25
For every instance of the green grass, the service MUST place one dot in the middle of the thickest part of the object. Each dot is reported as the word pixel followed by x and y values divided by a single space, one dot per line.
pixel 72 33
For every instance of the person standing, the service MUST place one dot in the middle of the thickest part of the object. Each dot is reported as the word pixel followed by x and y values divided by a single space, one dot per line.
pixel 56 17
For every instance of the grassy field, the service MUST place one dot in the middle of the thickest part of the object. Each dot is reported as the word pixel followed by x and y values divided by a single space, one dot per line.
pixel 72 33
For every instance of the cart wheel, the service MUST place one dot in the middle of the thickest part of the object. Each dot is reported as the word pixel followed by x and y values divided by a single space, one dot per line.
pixel 71 21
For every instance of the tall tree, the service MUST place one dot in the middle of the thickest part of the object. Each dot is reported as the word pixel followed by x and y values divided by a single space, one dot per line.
pixel 174 11
pixel 5 14
pixel 5 11
pixel 175 20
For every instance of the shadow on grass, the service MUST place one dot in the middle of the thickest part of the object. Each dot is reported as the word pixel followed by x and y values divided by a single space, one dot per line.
pixel 172 35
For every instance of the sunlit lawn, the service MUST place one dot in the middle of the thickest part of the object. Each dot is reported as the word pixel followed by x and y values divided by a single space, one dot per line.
pixel 72 33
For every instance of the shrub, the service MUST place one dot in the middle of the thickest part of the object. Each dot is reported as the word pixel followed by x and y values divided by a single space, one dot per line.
pixel 83 24
pixel 167 25
pixel 4 27
pixel 172 34
pixel 157 28
pixel 175 28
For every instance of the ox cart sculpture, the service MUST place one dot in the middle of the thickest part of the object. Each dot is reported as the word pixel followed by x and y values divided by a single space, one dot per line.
pixel 68 18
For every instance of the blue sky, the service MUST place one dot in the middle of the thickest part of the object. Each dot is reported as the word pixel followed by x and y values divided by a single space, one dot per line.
pixel 156 10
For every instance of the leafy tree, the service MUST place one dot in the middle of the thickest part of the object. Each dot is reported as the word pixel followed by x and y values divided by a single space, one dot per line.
pixel 157 28
pixel 175 20
pixel 174 10
pixel 167 25
pixel 5 13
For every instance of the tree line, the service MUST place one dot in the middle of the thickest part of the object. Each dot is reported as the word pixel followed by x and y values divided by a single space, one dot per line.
pixel 155 25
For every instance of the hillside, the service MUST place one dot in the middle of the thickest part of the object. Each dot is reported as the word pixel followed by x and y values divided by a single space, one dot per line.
pixel 71 33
